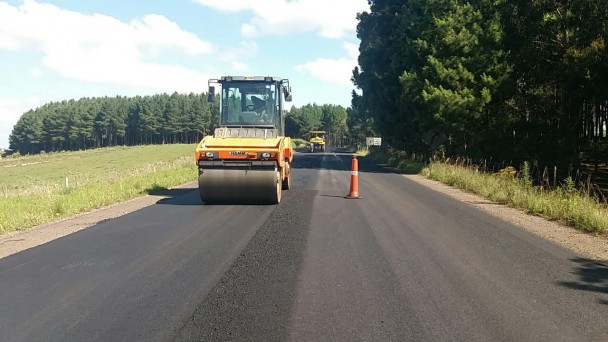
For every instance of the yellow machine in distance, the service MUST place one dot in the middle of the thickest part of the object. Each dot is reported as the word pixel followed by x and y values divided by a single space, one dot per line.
pixel 317 141
pixel 248 158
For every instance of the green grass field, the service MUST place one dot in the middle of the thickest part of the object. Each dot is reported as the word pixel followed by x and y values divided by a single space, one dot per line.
pixel 34 190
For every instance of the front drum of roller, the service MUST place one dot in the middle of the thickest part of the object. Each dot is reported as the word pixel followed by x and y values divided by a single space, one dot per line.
pixel 217 186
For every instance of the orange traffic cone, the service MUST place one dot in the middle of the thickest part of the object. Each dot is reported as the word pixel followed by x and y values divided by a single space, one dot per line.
pixel 354 179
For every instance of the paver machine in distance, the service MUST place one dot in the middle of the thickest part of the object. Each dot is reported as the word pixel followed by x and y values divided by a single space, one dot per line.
pixel 248 157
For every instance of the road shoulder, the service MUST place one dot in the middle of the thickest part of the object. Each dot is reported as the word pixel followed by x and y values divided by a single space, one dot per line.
pixel 15 242
pixel 587 245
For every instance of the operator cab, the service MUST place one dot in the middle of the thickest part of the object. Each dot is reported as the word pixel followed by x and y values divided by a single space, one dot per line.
pixel 317 135
pixel 252 102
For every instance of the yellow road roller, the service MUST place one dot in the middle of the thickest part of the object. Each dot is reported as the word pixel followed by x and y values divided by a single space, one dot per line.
pixel 317 141
pixel 248 157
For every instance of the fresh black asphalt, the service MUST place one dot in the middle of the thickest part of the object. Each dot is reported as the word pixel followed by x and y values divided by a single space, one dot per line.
pixel 403 263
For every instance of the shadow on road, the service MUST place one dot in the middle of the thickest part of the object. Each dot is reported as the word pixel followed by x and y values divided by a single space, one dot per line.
pixel 306 150
pixel 164 192
pixel 388 169
pixel 317 161
pixel 189 196
pixel 593 276
pixel 341 162
pixel 176 196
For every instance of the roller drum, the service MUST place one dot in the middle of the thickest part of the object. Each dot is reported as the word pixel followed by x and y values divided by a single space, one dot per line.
pixel 239 186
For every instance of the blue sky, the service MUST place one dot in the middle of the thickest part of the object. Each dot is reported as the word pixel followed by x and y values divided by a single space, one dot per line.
pixel 69 49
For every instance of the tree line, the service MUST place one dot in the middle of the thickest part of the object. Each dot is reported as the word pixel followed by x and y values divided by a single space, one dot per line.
pixel 310 117
pixel 109 121
pixel 511 80
pixel 177 118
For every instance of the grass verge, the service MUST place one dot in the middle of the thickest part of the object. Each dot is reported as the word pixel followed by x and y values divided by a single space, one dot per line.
pixel 44 200
pixel 394 158
pixel 565 204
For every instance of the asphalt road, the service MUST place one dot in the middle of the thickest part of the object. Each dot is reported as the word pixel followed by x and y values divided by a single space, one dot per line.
pixel 403 263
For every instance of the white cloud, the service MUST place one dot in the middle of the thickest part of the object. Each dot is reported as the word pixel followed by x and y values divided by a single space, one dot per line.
pixel 236 55
pixel 352 49
pixel 245 50
pixel 240 66
pixel 10 112
pixel 249 30
pixel 234 5
pixel 332 70
pixel 331 18
pixel 36 72
pixel 338 71
pixel 101 49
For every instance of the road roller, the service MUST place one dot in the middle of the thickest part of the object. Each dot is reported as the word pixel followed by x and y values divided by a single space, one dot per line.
pixel 248 158
pixel 317 141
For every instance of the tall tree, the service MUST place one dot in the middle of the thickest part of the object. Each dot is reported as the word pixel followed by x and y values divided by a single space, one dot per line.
pixel 464 71
pixel 386 52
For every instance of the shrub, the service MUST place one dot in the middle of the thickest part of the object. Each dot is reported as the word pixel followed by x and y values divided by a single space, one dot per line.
pixel 508 173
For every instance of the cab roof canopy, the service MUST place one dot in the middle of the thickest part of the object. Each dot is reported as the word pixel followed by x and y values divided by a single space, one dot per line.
pixel 251 78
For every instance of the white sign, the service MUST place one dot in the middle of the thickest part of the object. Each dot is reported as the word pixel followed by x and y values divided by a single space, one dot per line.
pixel 369 141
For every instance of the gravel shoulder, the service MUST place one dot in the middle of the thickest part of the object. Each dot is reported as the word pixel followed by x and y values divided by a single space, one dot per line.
pixel 587 245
